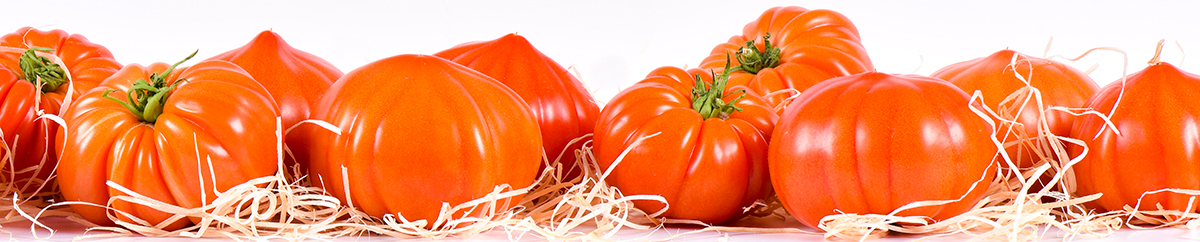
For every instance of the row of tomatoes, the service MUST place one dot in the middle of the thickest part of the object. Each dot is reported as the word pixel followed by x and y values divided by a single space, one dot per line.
pixel 860 142
pixel 419 130
pixel 415 130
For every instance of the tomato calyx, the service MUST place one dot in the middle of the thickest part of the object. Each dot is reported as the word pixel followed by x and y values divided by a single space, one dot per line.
pixel 151 95
pixel 40 70
pixel 707 99
pixel 754 60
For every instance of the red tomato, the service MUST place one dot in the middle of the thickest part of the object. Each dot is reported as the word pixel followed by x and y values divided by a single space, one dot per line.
pixel 1060 85
pixel 805 47
pixel 872 142
pixel 218 113
pixel 88 64
pixel 708 166
pixel 1159 120
pixel 296 79
pixel 563 107
pixel 417 131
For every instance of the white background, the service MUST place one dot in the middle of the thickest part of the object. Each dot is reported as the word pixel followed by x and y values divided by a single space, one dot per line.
pixel 615 43
pixel 612 44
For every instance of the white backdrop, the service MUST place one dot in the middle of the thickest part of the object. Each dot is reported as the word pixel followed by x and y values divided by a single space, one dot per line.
pixel 614 44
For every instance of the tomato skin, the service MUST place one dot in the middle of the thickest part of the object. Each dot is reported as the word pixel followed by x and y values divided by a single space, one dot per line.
pixel 816 45
pixel 872 142
pixel 88 64
pixel 417 131
pixel 706 169
pixel 565 110
pixel 220 112
pixel 296 79
pixel 1157 118
pixel 1060 85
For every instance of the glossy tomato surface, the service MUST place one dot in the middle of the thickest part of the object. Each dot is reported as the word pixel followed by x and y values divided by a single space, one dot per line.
pixel 873 142
pixel 217 130
pixel 296 79
pixel 813 45
pixel 1158 116
pixel 564 109
pixel 419 131
pixel 707 169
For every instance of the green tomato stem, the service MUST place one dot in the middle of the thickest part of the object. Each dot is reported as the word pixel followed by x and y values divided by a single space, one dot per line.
pixel 35 68
pixel 147 98
pixel 707 99
pixel 754 60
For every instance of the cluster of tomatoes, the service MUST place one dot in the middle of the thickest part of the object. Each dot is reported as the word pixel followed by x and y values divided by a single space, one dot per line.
pixel 790 107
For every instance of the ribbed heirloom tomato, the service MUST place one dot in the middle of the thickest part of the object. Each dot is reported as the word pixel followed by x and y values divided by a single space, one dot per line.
pixel 160 132
pixel 994 76
pixel 28 55
pixel 417 131
pixel 89 63
pixel 873 142
pixel 791 48
pixel 1159 119
pixel 296 79
pixel 709 160
pixel 563 107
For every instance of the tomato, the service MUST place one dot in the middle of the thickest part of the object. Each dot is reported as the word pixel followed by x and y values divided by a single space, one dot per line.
pixel 296 79
pixel 563 108
pixel 791 48
pixel 213 111
pixel 1060 85
pixel 417 131
pixel 1159 120
pixel 707 164
pixel 873 142
pixel 89 63
pixel 29 139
